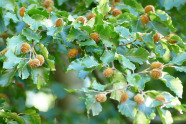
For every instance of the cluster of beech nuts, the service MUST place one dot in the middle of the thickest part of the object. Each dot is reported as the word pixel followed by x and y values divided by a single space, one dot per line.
pixel 47 4
pixel 138 98
pixel 115 12
pixel 36 62
pixel 145 18
pixel 72 53
pixel 108 72
pixel 156 72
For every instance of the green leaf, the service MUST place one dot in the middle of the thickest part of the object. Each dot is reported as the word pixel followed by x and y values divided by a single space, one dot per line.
pixel 80 64
pixel 15 43
pixel 108 36
pixel 148 39
pixel 139 55
pixel 91 104
pixel 126 62
pixel 108 56
pixel 34 115
pixel 88 42
pixel 122 31
pixel 98 86
pixel 23 70
pixel 50 62
pixel 11 61
pixel 11 16
pixel 165 116
pixel 38 11
pixel 174 84
pixel 162 17
pixel 169 4
pixel 179 59
pixel 129 108
pixel 159 50
pixel 135 5
pixel 53 31
pixel 40 76
pixel 133 79
pixel 7 76
pixel 33 23
pixel 118 83
pixel 149 112
pixel 144 78
pixel 11 115
pixel 180 69
pixel 103 7
pixel 28 119
pixel 60 2
pixel 177 38
pixel 88 3
pixel 2 22
pixel 76 34
pixel 7 4
pixel 141 118
pixel 30 35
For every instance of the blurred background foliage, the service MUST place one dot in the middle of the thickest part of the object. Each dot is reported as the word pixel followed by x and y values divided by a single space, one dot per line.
pixel 52 102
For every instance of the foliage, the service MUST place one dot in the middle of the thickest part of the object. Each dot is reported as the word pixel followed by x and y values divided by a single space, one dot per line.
pixel 125 44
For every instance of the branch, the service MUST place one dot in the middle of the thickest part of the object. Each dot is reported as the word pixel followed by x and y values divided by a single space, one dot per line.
pixel 127 43
pixel 110 91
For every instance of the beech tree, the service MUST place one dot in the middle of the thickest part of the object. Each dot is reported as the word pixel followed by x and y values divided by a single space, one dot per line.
pixel 120 46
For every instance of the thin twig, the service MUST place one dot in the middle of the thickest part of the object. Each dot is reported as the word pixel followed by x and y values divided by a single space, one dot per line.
pixel 105 47
pixel 127 43
pixel 144 71
pixel 168 65
pixel 110 91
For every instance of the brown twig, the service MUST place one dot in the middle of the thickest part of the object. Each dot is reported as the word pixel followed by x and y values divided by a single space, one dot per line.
pixel 127 43
pixel 110 91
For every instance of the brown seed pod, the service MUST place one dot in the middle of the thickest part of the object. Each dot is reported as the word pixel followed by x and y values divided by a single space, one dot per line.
pixel 108 72
pixel 72 53
pixel 156 65
pixel 81 19
pixel 145 19
pixel 100 98
pixel 160 98
pixel 49 9
pixel 41 59
pixel 116 12
pixel 171 41
pixel 59 22
pixel 19 85
pixel 47 3
pixel 90 15
pixel 156 73
pixel 124 97
pixel 139 99
pixel 34 63
pixel 25 47
pixel 95 37
pixel 4 35
pixel 106 15
pixel 4 51
pixel 149 8
pixel 157 37
pixel 22 11
pixel 117 0
pixel 112 8
pixel 28 24
pixel 2 96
